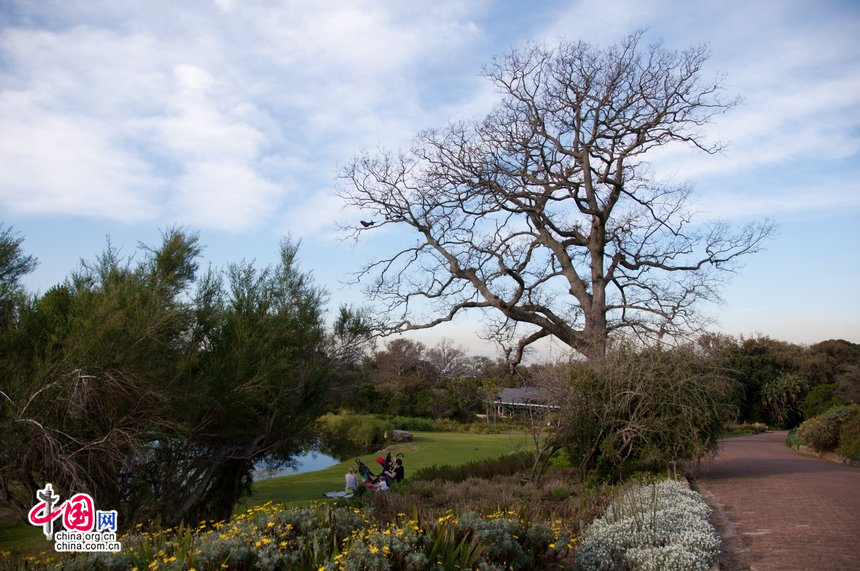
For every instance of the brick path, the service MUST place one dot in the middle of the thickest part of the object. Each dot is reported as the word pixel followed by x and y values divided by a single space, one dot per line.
pixel 777 509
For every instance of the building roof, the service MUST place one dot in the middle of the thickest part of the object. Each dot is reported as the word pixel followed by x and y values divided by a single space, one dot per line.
pixel 523 395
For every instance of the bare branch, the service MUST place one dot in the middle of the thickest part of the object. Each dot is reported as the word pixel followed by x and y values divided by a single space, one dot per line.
pixel 547 203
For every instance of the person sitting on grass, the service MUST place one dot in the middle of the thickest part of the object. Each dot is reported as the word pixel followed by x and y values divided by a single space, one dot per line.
pixel 351 480
pixel 397 473
pixel 381 485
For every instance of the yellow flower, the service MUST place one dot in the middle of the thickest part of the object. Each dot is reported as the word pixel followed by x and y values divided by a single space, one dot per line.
pixel 270 524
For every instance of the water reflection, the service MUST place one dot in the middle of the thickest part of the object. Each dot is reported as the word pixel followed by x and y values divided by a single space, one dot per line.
pixel 322 456
pixel 309 461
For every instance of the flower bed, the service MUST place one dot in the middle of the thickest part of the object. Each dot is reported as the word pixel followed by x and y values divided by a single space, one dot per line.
pixel 327 537
pixel 661 526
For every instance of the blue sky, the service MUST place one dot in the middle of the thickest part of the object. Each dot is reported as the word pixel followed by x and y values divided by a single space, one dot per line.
pixel 231 117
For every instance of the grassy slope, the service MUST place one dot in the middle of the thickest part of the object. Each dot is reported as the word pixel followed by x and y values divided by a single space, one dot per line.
pixel 429 448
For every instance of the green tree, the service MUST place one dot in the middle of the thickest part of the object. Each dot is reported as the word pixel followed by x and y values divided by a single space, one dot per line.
pixel 14 264
pixel 158 391
pixel 782 398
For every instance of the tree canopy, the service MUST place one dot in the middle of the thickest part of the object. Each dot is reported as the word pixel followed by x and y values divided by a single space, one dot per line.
pixel 156 389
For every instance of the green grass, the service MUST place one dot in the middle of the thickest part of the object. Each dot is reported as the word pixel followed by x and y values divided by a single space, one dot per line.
pixel 19 537
pixel 427 449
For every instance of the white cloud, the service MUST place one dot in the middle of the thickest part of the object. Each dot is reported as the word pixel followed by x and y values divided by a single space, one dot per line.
pixel 764 201
pixel 162 93
pixel 62 164
pixel 225 195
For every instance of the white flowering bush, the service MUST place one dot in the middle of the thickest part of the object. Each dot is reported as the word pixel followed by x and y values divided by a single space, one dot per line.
pixel 661 526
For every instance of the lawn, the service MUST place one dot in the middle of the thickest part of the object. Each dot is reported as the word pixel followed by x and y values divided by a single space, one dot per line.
pixel 427 449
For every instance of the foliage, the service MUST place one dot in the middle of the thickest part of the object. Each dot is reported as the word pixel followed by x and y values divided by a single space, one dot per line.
pixel 448 425
pixel 849 438
pixel 414 424
pixel 746 428
pixel 364 430
pixel 334 538
pixel 14 264
pixel 820 399
pixel 823 432
pixel 759 363
pixel 156 390
pixel 782 397
pixel 643 408
pixel 793 440
pixel 504 465
pixel 663 526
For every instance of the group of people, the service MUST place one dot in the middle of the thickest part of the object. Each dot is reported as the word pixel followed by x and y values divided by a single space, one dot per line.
pixel 390 473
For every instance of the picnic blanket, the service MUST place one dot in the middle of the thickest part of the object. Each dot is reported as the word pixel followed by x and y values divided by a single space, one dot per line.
pixel 339 494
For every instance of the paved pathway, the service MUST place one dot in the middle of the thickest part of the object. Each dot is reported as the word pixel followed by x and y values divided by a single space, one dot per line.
pixel 778 509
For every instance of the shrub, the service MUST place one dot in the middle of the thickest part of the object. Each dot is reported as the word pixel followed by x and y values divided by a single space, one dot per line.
pixel 822 432
pixel 359 429
pixel 793 440
pixel 333 537
pixel 849 437
pixel 747 428
pixel 504 465
pixel 642 410
pixel 662 526
pixel 820 399
pixel 413 424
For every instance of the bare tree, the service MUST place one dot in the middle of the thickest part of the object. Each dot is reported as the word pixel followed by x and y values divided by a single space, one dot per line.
pixel 545 214
pixel 447 361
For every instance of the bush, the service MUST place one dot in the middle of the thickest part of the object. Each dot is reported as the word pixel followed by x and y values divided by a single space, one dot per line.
pixel 849 437
pixel 642 409
pixel 819 400
pixel 332 537
pixel 823 431
pixel 358 429
pixel 747 428
pixel 661 526
pixel 418 424
pixel 506 465
pixel 793 440
pixel 413 424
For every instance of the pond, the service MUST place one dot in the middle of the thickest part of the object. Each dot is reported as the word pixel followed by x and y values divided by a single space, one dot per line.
pixel 309 461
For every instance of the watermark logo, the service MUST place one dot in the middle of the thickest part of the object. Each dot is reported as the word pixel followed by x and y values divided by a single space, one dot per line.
pixel 86 529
